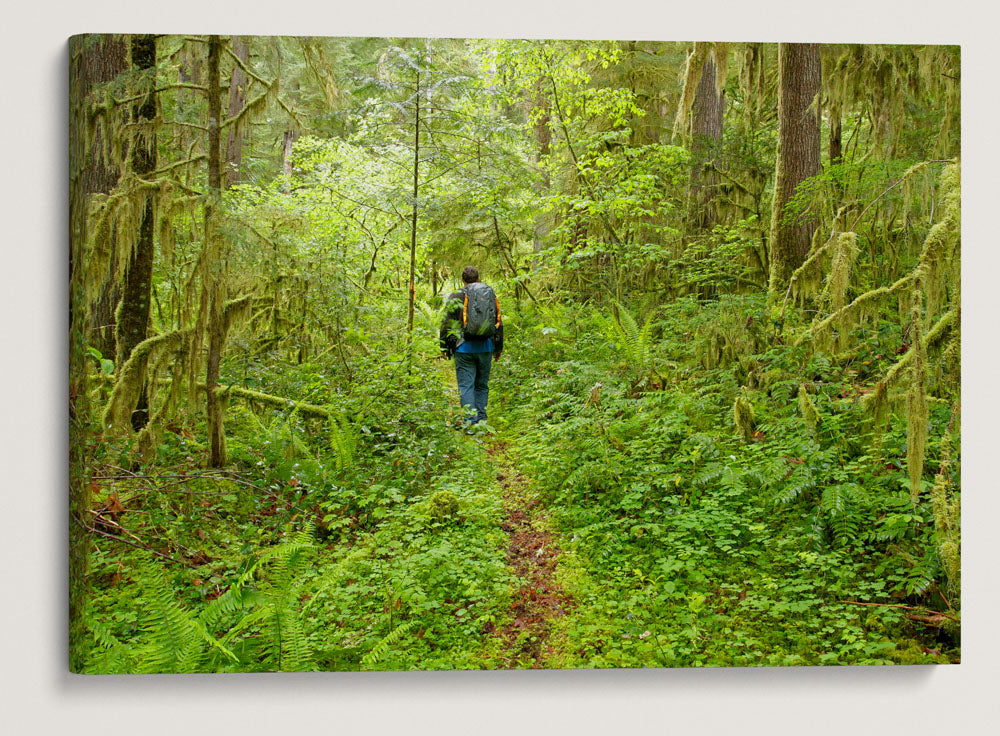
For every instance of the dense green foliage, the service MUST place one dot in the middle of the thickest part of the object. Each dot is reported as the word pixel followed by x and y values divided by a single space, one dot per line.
pixel 732 476
pixel 688 545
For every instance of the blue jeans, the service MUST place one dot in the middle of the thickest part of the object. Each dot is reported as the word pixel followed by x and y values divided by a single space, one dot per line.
pixel 472 372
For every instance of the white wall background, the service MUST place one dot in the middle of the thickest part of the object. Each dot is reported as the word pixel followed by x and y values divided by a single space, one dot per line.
pixel 38 695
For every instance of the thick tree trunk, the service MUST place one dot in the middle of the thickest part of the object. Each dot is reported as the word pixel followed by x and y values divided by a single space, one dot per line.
pixel 706 136
pixel 133 314
pixel 215 277
pixel 94 60
pixel 237 98
pixel 799 74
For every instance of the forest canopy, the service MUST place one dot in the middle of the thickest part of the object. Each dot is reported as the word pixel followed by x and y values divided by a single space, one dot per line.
pixel 725 428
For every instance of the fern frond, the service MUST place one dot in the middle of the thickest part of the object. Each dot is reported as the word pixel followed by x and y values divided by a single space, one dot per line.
pixel 379 650
pixel 343 441
pixel 174 644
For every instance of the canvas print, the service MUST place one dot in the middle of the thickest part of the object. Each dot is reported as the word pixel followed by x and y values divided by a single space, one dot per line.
pixel 442 353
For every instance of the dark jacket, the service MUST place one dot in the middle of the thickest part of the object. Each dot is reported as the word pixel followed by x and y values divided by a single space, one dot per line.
pixel 451 326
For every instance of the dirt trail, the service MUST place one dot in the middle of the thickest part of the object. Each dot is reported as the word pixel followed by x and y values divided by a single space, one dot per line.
pixel 533 555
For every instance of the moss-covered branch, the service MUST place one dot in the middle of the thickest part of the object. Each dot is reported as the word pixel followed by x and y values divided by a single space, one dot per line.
pixel 866 297
pixel 132 375
pixel 279 402
pixel 931 339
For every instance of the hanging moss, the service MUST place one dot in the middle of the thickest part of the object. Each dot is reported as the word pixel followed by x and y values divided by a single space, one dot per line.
pixel 132 375
pixel 236 310
pixel 916 403
pixel 692 76
pixel 952 356
pixel 947 519
pixel 753 78
pixel 808 410
pixel 841 314
pixel 721 54
pixel 743 417
pixel 840 272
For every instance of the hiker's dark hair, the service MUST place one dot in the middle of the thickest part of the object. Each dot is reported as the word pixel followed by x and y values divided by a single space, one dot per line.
pixel 470 275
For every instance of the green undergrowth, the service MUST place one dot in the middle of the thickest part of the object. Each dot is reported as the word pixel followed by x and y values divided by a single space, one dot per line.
pixel 370 541
pixel 691 541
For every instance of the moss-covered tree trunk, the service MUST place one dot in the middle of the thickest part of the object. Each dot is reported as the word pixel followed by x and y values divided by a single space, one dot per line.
pixel 237 98
pixel 836 148
pixel 133 312
pixel 291 135
pixel 413 224
pixel 94 60
pixel 215 265
pixel 543 138
pixel 706 137
pixel 799 75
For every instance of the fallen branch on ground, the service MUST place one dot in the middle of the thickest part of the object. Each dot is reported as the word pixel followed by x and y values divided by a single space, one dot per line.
pixel 908 608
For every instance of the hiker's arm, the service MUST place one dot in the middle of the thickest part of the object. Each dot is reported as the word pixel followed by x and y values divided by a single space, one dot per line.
pixel 498 341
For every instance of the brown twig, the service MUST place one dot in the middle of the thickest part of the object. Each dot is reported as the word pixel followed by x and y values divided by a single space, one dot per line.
pixel 132 544
pixel 899 605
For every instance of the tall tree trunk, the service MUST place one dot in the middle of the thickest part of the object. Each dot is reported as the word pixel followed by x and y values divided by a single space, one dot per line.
pixel 799 74
pixel 543 136
pixel 836 149
pixel 94 60
pixel 291 135
pixel 215 271
pixel 413 223
pixel 237 98
pixel 133 313
pixel 706 136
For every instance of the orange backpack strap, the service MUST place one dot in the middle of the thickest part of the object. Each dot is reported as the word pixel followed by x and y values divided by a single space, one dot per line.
pixel 498 311
pixel 465 311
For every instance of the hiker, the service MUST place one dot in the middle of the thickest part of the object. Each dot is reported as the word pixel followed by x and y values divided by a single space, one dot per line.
pixel 472 333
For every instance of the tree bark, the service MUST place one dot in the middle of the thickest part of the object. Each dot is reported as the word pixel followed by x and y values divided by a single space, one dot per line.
pixel 291 135
pixel 543 136
pixel 836 148
pixel 133 313
pixel 237 98
pixel 413 224
pixel 836 151
pixel 215 277
pixel 94 60
pixel 706 136
pixel 799 75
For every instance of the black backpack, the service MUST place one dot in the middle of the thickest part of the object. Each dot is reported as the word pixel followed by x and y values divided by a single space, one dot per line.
pixel 480 312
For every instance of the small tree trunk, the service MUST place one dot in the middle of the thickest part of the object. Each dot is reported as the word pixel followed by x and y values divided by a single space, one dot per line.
pixel 286 154
pixel 133 313
pixel 799 75
pixel 543 136
pixel 836 149
pixel 413 223
pixel 215 269
pixel 237 97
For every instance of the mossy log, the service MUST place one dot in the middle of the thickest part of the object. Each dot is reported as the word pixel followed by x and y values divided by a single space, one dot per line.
pixel 279 402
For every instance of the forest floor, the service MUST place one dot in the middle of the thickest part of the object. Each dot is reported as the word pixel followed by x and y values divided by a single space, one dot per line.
pixel 533 554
